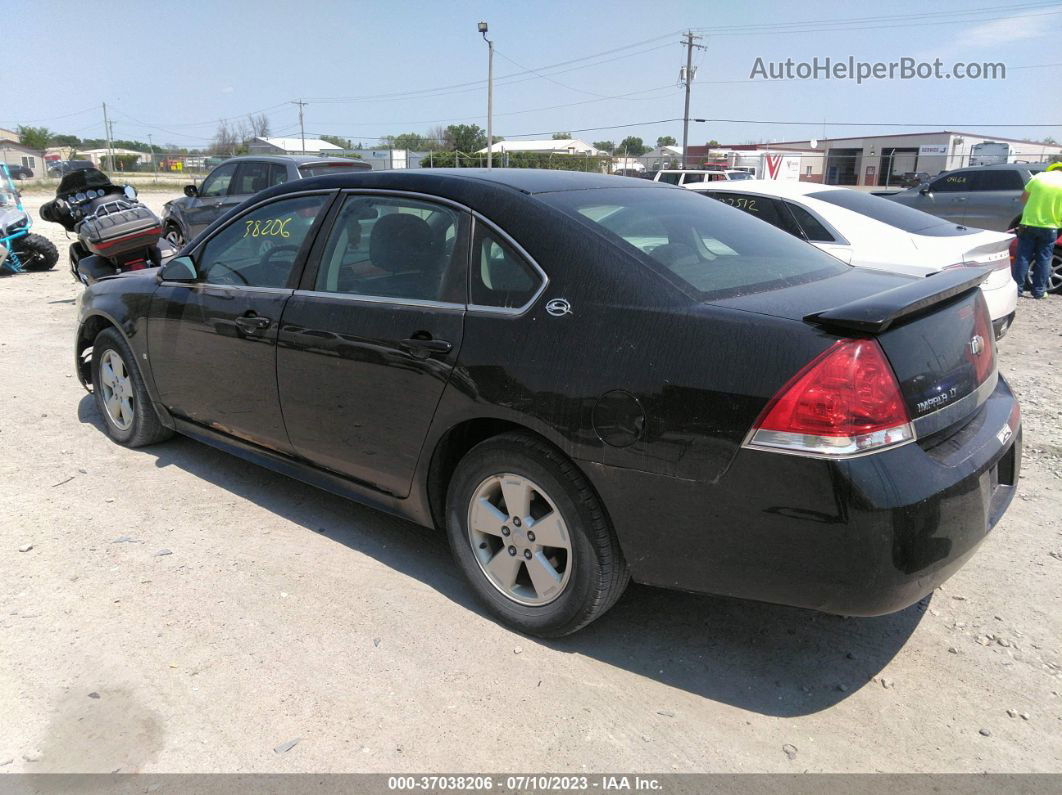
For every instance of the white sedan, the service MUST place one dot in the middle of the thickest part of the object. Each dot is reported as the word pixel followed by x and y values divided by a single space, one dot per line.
pixel 870 232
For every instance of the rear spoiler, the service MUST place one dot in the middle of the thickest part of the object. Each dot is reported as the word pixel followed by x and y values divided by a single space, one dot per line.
pixel 875 313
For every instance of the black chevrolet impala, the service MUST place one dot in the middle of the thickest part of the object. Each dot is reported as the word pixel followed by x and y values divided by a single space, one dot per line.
pixel 583 378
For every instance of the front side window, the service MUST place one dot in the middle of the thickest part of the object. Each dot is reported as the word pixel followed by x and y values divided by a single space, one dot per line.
pixel 217 184
pixel 500 277
pixel 394 247
pixel 709 249
pixel 951 183
pixel 259 249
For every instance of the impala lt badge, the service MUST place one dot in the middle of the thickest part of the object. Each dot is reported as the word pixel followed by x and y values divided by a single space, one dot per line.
pixel 558 307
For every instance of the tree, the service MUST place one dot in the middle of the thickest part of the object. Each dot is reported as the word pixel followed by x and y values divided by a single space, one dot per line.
pixel 466 137
pixel 342 143
pixel 258 126
pixel 562 136
pixel 605 146
pixel 34 137
pixel 712 142
pixel 1050 141
pixel 666 140
pixel 633 146
pixel 64 140
pixel 412 141
pixel 227 139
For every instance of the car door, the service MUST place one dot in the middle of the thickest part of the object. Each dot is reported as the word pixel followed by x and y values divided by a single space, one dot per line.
pixel 212 342
pixel 945 198
pixel 211 200
pixel 994 198
pixel 368 342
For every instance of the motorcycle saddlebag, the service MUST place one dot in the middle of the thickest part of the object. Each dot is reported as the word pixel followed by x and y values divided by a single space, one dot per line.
pixel 120 232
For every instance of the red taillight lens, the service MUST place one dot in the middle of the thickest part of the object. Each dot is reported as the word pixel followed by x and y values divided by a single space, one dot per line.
pixel 981 350
pixel 844 402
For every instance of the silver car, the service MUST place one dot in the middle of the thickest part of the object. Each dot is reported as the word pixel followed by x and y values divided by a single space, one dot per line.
pixel 985 197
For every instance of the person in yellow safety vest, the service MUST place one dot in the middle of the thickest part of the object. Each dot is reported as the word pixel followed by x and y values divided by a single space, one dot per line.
pixel 1040 223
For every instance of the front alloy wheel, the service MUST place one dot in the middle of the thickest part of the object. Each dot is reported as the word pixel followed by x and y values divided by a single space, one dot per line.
pixel 116 389
pixel 121 397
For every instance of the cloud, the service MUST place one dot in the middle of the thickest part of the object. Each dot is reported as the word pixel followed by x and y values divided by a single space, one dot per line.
pixel 1007 31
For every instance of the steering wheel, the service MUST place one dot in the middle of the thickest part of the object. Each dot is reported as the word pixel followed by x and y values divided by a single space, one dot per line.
pixel 235 273
pixel 266 259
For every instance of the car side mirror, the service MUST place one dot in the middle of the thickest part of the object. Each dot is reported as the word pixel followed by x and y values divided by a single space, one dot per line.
pixel 130 192
pixel 925 191
pixel 179 269
pixel 191 191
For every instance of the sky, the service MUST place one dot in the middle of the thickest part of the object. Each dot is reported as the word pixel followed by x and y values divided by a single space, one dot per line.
pixel 601 71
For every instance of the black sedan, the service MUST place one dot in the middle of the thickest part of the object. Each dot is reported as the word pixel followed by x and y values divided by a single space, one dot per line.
pixel 583 378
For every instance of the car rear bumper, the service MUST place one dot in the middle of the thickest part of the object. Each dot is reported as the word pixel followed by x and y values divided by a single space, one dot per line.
pixel 866 536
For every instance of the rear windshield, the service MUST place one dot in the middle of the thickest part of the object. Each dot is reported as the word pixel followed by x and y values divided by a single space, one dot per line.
pixel 318 169
pixel 710 249
pixel 887 212
pixel 739 175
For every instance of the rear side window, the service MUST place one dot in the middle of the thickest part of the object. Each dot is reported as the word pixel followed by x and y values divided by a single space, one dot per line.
pixel 320 169
pixel 251 178
pixel 998 179
pixel 278 174
pixel 500 277
pixel 708 249
pixel 887 212
pixel 670 179
pixel 761 207
pixel 810 225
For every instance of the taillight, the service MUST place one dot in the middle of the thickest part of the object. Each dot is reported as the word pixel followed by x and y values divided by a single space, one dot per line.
pixel 981 349
pixel 844 402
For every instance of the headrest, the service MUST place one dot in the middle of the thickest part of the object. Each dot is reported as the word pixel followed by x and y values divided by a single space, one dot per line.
pixel 400 242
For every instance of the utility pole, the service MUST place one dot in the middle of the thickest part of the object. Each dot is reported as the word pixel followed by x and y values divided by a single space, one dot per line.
pixel 302 130
pixel 107 132
pixel 687 79
pixel 154 162
pixel 482 27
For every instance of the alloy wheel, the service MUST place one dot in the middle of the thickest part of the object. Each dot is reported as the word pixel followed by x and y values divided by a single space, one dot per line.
pixel 1054 274
pixel 520 539
pixel 117 390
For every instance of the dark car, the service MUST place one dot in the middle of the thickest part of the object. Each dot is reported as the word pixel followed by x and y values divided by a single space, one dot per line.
pixel 584 379
pixel 60 168
pixel 20 172
pixel 985 197
pixel 236 180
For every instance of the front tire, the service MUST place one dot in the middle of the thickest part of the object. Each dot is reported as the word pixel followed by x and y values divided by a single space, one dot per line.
pixel 37 253
pixel 121 397
pixel 174 236
pixel 532 538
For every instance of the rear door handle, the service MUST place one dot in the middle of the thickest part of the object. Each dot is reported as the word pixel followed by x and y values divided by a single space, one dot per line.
pixel 426 346
pixel 253 323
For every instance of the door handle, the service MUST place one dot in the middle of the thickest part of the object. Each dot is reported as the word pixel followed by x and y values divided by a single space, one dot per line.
pixel 425 345
pixel 253 323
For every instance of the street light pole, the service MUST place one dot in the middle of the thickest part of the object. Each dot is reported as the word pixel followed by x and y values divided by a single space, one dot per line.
pixel 482 27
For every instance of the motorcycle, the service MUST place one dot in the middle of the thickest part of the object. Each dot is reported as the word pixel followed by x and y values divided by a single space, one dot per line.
pixel 19 249
pixel 115 232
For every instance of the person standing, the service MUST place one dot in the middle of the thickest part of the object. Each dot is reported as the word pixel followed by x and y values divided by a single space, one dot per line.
pixel 1040 223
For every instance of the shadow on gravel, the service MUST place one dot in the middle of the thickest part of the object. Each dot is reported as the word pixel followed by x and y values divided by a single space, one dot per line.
pixel 778 661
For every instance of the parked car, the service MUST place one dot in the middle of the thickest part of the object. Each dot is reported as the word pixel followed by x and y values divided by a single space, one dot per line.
pixel 679 176
pixel 1054 276
pixel 20 171
pixel 583 378
pixel 60 168
pixel 234 181
pixel 986 197
pixel 870 232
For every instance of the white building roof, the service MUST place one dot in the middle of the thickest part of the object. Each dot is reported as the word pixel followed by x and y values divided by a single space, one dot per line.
pixel 295 144
pixel 562 146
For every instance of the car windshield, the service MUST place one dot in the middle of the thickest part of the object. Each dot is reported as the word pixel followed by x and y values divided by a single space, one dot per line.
pixel 711 249
pixel 317 169
pixel 82 180
pixel 887 212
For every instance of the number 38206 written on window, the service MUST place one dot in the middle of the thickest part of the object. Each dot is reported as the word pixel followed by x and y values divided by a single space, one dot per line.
pixel 271 227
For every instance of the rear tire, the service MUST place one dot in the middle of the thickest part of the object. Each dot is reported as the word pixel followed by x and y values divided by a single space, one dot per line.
pixel 121 397
pixel 37 253
pixel 547 585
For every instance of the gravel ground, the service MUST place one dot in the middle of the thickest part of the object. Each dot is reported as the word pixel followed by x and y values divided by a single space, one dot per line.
pixel 179 610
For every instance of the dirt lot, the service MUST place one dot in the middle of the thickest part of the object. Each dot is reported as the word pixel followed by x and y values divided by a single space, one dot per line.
pixel 181 610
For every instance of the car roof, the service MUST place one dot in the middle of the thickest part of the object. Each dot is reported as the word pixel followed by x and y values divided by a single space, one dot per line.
pixel 771 187
pixel 1000 166
pixel 447 180
pixel 297 159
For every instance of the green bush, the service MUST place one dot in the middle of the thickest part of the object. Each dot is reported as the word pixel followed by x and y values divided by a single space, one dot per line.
pixel 556 162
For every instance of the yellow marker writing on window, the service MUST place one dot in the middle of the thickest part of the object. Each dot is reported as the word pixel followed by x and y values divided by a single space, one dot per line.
pixel 270 227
